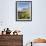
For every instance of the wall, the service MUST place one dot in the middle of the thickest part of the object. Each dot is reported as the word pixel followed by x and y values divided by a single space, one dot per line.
pixel 31 30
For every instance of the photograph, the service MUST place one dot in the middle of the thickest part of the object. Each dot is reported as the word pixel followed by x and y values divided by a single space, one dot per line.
pixel 23 10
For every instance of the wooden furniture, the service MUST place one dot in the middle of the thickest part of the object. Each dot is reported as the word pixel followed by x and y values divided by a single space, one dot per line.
pixel 11 40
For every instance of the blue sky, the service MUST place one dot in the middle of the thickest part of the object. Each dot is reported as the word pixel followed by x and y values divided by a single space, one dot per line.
pixel 23 5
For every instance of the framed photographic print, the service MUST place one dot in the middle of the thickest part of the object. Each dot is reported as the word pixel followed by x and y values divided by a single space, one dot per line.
pixel 23 10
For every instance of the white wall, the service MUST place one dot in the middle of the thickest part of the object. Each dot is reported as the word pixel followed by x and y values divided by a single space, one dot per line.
pixel 32 29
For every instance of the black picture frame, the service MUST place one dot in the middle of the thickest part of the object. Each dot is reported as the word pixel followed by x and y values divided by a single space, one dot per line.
pixel 17 13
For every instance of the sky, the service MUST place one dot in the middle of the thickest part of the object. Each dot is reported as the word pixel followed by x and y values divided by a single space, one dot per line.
pixel 21 5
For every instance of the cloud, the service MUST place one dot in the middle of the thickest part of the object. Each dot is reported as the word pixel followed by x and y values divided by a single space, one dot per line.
pixel 19 9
